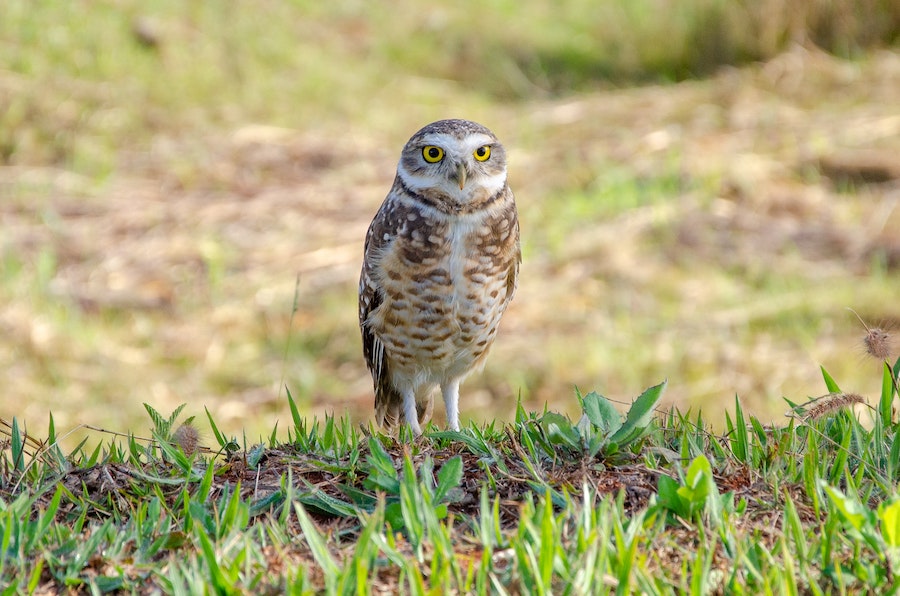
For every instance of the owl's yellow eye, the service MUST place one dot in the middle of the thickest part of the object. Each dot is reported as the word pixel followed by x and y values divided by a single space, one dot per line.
pixel 483 153
pixel 432 154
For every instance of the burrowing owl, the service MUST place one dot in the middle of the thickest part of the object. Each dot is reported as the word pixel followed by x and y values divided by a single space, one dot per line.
pixel 441 265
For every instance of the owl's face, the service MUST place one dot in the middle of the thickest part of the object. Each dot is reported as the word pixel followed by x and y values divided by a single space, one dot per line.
pixel 456 161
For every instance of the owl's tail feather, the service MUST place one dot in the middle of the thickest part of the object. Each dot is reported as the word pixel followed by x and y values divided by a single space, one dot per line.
pixel 388 408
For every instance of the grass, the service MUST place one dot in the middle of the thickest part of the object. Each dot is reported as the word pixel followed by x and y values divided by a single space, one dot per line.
pixel 651 501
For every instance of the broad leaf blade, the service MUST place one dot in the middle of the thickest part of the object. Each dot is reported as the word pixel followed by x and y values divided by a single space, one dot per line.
pixel 560 431
pixel 448 478
pixel 602 413
pixel 639 415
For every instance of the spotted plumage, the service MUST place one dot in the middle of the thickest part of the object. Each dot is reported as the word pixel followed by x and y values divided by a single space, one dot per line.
pixel 440 267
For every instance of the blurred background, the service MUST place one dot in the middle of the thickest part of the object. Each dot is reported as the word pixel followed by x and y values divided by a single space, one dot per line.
pixel 705 187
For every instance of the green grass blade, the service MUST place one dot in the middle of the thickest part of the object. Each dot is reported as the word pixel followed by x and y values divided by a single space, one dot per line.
pixel 830 384
pixel 886 400
pixel 740 443
pixel 548 542
pixel 296 418
pixel 17 446
pixel 220 438
pixel 220 583
pixel 319 550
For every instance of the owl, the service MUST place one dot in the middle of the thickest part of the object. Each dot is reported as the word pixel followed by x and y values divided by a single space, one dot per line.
pixel 440 266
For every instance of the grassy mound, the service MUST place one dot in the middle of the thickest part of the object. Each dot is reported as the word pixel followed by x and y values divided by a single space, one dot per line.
pixel 644 502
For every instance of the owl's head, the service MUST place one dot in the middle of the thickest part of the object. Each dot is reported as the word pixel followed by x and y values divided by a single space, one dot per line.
pixel 457 161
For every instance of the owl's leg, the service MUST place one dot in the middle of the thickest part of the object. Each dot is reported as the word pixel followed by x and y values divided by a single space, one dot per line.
pixel 410 412
pixel 450 391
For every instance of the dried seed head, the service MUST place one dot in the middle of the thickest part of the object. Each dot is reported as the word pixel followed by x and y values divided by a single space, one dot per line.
pixel 877 340
pixel 832 402
pixel 188 438
pixel 878 343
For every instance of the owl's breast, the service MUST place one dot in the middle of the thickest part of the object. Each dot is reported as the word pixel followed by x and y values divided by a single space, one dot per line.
pixel 445 285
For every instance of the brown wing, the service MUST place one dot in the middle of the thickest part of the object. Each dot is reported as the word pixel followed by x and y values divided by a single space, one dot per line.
pixel 387 400
pixel 506 247
pixel 512 276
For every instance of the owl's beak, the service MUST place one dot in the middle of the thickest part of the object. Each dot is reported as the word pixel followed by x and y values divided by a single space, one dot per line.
pixel 461 175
